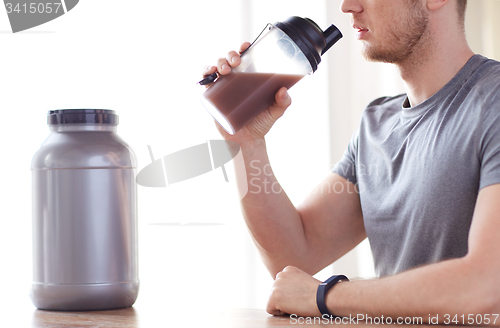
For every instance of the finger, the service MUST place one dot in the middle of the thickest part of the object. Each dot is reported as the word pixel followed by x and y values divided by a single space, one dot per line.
pixel 281 102
pixel 276 312
pixel 223 66
pixel 207 70
pixel 271 309
pixel 244 46
pixel 233 58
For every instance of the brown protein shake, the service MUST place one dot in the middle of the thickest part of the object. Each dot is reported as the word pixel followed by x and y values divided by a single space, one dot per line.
pixel 240 97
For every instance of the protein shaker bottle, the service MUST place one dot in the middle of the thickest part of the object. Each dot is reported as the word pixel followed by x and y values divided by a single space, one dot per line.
pixel 84 214
pixel 282 55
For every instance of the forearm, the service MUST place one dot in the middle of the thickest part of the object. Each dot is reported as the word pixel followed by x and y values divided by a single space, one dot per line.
pixel 446 288
pixel 273 221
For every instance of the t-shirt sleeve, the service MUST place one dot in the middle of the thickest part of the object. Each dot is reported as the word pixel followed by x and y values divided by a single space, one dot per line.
pixel 346 167
pixel 490 144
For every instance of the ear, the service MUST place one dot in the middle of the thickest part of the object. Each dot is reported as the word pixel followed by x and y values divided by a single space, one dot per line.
pixel 436 4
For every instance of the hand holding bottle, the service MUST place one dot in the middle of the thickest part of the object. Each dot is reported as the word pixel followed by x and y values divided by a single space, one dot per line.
pixel 262 123
pixel 249 91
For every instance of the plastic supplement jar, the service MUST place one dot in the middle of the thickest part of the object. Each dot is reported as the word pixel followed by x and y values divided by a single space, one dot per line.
pixel 85 253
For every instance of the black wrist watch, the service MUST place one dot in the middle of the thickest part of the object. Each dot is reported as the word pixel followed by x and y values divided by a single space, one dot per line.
pixel 323 288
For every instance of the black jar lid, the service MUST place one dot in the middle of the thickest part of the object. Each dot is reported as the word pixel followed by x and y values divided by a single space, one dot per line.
pixel 82 116
pixel 310 38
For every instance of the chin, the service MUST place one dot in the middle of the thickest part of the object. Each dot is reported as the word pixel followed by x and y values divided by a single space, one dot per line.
pixel 376 55
pixel 371 54
pixel 366 51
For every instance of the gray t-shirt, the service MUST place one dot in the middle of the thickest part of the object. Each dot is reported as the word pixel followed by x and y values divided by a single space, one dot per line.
pixel 419 169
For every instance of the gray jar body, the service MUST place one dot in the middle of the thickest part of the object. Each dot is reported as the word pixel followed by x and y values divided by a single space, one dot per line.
pixel 85 248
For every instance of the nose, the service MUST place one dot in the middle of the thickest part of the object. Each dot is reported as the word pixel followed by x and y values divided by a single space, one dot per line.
pixel 351 6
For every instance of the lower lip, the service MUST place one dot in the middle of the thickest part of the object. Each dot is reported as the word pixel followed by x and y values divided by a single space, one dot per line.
pixel 360 34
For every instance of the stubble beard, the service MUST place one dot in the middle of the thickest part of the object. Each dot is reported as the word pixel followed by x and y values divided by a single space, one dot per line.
pixel 406 40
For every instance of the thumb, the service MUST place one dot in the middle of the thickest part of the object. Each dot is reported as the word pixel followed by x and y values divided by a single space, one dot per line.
pixel 281 102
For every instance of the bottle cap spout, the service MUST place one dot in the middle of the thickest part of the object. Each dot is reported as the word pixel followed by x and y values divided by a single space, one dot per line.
pixel 332 34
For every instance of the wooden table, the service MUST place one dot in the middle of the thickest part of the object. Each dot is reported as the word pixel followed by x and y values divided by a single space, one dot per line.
pixel 156 317
pixel 132 317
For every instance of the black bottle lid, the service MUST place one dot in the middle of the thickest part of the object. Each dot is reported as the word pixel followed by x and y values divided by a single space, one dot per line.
pixel 310 38
pixel 82 116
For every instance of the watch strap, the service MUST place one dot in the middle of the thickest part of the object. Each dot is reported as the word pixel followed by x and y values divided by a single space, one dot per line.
pixel 323 288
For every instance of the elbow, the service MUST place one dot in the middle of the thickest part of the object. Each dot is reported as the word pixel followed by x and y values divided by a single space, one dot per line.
pixel 276 262
pixel 273 265
pixel 482 285
pixel 273 271
pixel 483 303
pixel 488 301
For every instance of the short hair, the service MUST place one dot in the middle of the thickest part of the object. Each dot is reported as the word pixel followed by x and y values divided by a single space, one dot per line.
pixel 462 7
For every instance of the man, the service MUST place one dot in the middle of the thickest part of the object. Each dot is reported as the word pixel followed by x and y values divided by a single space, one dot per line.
pixel 430 208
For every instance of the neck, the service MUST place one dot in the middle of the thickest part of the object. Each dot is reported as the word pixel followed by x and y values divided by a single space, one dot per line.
pixel 433 65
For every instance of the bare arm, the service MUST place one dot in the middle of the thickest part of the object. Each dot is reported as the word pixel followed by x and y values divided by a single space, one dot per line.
pixel 322 229
pixel 467 285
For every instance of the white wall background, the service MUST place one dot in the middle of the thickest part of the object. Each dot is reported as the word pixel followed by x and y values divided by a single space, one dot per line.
pixel 143 60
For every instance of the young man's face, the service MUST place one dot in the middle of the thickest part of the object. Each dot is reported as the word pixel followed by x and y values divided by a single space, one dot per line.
pixel 391 30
